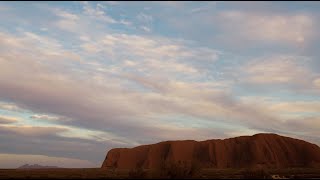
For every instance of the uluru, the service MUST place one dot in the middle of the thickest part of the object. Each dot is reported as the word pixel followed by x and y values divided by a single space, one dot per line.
pixel 260 150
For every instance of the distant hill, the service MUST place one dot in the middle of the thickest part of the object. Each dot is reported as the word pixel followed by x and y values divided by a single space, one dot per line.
pixel 36 166
pixel 260 150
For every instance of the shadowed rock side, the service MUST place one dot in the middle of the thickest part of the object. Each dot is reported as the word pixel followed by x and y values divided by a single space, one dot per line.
pixel 260 150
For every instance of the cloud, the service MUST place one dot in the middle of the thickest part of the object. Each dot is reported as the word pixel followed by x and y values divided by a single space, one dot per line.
pixel 296 107
pixel 134 101
pixel 284 110
pixel 242 27
pixel 292 118
pixel 91 18
pixel 44 47
pixel 34 78
pixel 112 3
pixel 173 4
pixel 316 83
pixel 4 7
pixel 17 160
pixel 67 21
pixel 9 106
pixel 145 28
pixel 32 131
pixel 152 54
pixel 308 126
pixel 97 13
pixel 125 22
pixel 278 28
pixel 66 15
pixel 44 29
pixel 279 69
pixel 199 9
pixel 145 18
pixel 165 67
pixel 45 117
pixel 8 120
pixel 59 141
pixel 203 9
pixel 90 107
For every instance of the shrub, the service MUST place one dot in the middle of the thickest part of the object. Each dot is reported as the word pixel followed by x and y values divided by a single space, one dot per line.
pixel 256 174
pixel 137 173
pixel 179 170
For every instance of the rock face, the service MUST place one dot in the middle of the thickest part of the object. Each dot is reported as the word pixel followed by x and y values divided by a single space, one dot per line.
pixel 260 150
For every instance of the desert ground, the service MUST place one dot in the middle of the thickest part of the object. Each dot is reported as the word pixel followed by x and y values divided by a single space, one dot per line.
pixel 98 173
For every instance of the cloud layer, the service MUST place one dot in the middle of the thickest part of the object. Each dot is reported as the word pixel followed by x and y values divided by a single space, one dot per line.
pixel 86 77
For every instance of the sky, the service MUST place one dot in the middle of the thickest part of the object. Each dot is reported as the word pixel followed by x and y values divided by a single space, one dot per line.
pixel 80 78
